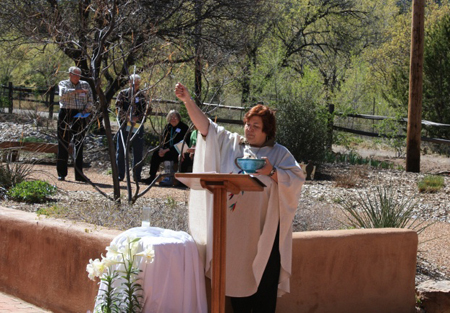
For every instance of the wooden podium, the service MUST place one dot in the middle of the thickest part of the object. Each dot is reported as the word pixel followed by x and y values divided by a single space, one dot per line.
pixel 219 185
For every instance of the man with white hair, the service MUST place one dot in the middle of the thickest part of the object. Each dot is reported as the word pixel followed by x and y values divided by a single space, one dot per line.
pixel 75 99
pixel 131 106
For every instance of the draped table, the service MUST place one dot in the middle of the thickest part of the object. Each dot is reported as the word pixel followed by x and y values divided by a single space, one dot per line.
pixel 174 282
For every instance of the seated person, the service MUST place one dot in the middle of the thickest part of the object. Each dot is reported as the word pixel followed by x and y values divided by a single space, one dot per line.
pixel 173 133
pixel 187 159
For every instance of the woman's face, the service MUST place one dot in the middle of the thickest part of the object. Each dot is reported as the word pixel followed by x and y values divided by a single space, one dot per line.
pixel 173 120
pixel 253 131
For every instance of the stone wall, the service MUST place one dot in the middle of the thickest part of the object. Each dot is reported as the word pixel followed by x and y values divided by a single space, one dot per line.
pixel 43 261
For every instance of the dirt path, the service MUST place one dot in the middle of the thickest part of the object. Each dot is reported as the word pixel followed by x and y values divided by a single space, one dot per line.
pixel 104 182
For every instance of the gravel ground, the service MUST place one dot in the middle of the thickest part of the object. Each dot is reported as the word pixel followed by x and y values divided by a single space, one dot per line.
pixel 319 207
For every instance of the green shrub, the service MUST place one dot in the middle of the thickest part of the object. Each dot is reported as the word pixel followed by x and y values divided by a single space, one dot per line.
pixel 431 183
pixel 302 128
pixel 393 133
pixel 13 173
pixel 35 191
pixel 349 141
pixel 382 209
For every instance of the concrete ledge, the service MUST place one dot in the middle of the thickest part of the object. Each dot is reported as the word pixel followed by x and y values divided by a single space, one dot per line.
pixel 43 261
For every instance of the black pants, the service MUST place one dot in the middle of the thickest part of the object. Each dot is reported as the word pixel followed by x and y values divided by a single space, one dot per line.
pixel 186 164
pixel 70 129
pixel 265 298
pixel 156 161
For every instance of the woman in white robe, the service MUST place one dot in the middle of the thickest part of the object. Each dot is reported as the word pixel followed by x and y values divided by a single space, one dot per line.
pixel 259 224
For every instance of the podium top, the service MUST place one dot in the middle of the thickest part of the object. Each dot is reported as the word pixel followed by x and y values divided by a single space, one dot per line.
pixel 242 182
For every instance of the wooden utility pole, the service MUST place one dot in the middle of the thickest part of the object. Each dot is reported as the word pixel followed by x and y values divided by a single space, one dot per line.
pixel 415 88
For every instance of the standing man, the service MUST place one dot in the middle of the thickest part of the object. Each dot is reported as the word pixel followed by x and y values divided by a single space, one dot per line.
pixel 131 107
pixel 75 99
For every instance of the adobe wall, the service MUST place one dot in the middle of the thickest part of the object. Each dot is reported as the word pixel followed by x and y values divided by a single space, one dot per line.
pixel 43 261
pixel 352 271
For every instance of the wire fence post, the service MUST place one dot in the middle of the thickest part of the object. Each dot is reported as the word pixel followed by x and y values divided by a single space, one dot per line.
pixel 51 102
pixel 10 97
pixel 330 126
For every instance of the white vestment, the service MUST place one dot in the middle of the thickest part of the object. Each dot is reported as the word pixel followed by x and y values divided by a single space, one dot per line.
pixel 252 217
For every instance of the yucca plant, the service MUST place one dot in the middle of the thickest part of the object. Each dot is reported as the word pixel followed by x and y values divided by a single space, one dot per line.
pixel 382 209
pixel 12 174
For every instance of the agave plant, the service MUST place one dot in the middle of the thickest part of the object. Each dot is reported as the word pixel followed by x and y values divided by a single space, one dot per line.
pixel 382 209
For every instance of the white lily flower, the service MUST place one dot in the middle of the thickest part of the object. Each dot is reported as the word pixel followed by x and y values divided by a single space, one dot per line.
pixel 95 268
pixel 130 247
pixel 113 251
pixel 148 253
pixel 134 247
pixel 108 262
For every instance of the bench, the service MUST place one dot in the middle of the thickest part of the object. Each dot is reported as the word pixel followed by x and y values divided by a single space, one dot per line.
pixel 13 147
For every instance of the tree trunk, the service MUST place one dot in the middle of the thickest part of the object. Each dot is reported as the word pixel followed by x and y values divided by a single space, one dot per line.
pixel 111 147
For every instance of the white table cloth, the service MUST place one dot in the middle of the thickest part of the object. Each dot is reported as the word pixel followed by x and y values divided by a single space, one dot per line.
pixel 175 280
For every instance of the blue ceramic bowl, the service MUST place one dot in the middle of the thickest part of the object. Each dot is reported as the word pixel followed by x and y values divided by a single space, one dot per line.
pixel 250 165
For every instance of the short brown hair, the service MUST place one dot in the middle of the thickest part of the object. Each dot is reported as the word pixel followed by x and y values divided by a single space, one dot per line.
pixel 268 118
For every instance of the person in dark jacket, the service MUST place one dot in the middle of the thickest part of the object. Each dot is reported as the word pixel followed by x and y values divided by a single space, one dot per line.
pixel 131 106
pixel 173 133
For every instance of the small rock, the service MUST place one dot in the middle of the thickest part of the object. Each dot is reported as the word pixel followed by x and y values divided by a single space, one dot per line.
pixel 434 296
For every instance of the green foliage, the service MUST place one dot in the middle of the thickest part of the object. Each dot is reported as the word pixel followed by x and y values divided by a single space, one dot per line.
pixel 32 139
pixel 392 131
pixel 53 210
pixel 382 209
pixel 302 128
pixel 171 203
pixel 436 84
pixel 4 102
pixel 355 159
pixel 133 290
pixel 349 141
pixel 110 297
pixel 391 65
pixel 35 191
pixel 431 183
pixel 13 173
